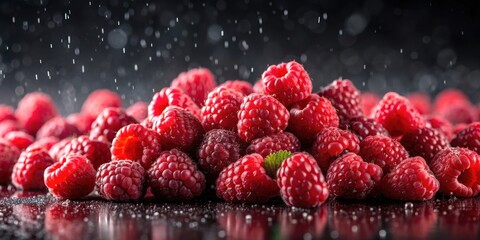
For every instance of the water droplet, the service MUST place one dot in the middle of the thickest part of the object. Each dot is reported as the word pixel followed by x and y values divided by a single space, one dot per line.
pixel 409 206
pixel 382 233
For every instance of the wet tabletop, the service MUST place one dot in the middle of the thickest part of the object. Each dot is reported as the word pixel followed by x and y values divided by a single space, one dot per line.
pixel 30 215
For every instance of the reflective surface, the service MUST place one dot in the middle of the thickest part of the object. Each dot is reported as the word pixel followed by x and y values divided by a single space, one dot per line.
pixel 27 215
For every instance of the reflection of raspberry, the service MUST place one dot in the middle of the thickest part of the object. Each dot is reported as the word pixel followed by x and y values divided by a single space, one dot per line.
pixel 240 86
pixel 220 110
pixel 57 127
pixel 34 110
pixel 108 123
pixel 28 171
pixel 8 157
pixel 274 143
pixel 345 97
pixel 21 140
pixel 121 180
pixel 196 83
pixel 100 99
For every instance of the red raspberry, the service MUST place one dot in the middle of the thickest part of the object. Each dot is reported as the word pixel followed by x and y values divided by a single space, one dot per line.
pixel 82 122
pixel 137 143
pixel 382 151
pixel 196 83
pixel 71 178
pixel 246 181
pixel 9 126
pixel 148 122
pixel 108 123
pixel 178 129
pixel 96 152
pixel 122 180
pixel 310 116
pixel 174 176
pixel 259 87
pixel 274 143
pixel 172 97
pixel 100 99
pixel 458 128
pixel 28 171
pixel 7 113
pixel 441 125
pixel 345 97
pixel 468 137
pixel 410 180
pixel 449 97
pixel 260 116
pixel 350 177
pixel 331 143
pixel 34 110
pixel 459 113
pixel 364 127
pixel 138 110
pixel 287 82
pixel 397 115
pixel 57 127
pixel 425 142
pixel 8 157
pixel 420 101
pixel 301 181
pixel 458 171
pixel 56 151
pixel 218 149
pixel 368 101
pixel 44 143
pixel 240 86
pixel 221 108
pixel 21 140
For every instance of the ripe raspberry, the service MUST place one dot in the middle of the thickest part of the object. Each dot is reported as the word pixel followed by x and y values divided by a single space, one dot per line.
pixel 137 143
pixel 350 177
pixel 259 87
pixel 8 156
pixel 240 86
pixel 382 151
pixel 449 97
pixel 7 113
pixel 468 137
pixel 410 180
pixel 458 128
pixel 287 82
pixel 331 143
pixel 108 123
pixel 310 116
pixel 174 176
pixel 274 143
pixel 345 97
pixel 172 97
pixel 34 110
pixel 178 129
pixel 397 115
pixel 138 110
pixel 21 140
pixel 82 122
pixel 148 122
pixel 196 83
pixel 458 171
pixel 44 143
pixel 425 142
pixel 364 127
pixel 9 126
pixel 98 100
pixel 301 181
pixel 218 149
pixel 459 113
pixel 122 180
pixel 221 108
pixel 28 171
pixel 96 152
pixel 260 116
pixel 421 102
pixel 368 101
pixel 71 178
pixel 441 125
pixel 246 181
pixel 56 151
pixel 57 127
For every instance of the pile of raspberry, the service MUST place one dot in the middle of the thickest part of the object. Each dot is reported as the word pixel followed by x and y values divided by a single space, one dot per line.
pixel 246 144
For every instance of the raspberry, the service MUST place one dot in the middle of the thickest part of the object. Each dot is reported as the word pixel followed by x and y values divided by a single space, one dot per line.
pixel 310 116
pixel 458 171
pixel 368 101
pixel 345 97
pixel 96 152
pixel 178 129
pixel 136 143
pixel 425 142
pixel 122 180
pixel 259 116
pixel 100 99
pixel 73 177
pixel 259 87
pixel 421 102
pixel 44 143
pixel 218 149
pixel 34 110
pixel 441 125
pixel 21 140
pixel 410 180
pixel 397 115
pixel 56 151
pixel 301 181
pixel 8 157
pixel 174 176
pixel 458 128
pixel 196 83
pixel 138 110
pixel 240 86
pixel 350 177
pixel 57 127
pixel 148 122
pixel 382 151
pixel 221 108
pixel 7 113
pixel 246 181
pixel 287 82
pixel 331 143
pixel 364 127
pixel 9 126
pixel 449 97
pixel 28 171
pixel 108 123
pixel 274 143
pixel 459 113
pixel 81 121
pixel 172 97
pixel 468 137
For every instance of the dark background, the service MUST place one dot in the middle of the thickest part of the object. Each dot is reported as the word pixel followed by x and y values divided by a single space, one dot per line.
pixel 69 48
